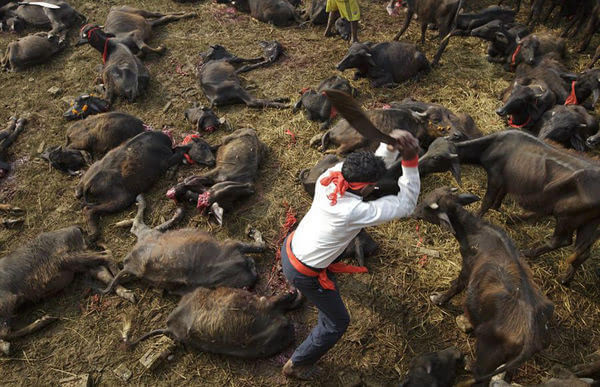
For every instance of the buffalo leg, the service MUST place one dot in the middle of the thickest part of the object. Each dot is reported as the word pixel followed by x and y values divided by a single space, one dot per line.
pixel 488 353
pixel 170 18
pixel 141 12
pixel 8 141
pixel 409 16
pixel 457 286
pixel 423 31
pixel 563 236
pixel 492 194
pixel 139 228
pixel 92 212
pixel 440 51
pixel 595 58
pixel 102 274
pixel 587 370
pixel 586 236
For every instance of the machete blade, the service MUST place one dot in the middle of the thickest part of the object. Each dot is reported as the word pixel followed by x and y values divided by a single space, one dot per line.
pixel 356 117
pixel 39 4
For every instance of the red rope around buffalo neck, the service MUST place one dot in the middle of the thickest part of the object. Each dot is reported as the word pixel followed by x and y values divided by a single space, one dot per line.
pixel 572 99
pixel 512 124
pixel 341 185
pixel 514 55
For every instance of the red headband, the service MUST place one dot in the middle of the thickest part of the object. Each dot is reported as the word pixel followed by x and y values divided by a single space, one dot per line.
pixel 341 185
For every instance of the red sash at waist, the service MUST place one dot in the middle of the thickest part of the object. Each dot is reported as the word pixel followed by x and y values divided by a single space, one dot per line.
pixel 324 281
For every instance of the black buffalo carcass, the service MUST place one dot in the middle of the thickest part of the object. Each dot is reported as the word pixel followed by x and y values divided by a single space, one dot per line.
pixel 544 180
pixel 113 182
pixel 219 80
pixel 509 314
pixel 385 64
pixel 316 104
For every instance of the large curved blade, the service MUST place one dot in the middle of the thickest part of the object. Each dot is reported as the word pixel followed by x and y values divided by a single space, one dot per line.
pixel 39 4
pixel 356 117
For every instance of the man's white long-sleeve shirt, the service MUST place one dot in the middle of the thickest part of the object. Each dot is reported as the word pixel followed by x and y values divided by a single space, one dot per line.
pixel 326 230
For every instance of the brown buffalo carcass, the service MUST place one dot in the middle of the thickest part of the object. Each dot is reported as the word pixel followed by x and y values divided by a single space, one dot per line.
pixel 92 138
pixel 509 314
pixel 133 27
pixel 238 159
pixel 29 51
pixel 231 322
pixel 123 73
pixel 43 267
pixel 113 182
pixel 544 180
pixel 182 260
pixel 16 15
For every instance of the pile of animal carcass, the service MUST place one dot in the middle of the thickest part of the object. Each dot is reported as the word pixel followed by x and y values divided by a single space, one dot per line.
pixel 118 158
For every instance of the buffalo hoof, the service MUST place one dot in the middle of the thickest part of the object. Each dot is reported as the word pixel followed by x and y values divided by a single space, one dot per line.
pixel 464 324
pixel 316 140
pixel 436 298
pixel 125 294
pixel 565 280
pixel 255 235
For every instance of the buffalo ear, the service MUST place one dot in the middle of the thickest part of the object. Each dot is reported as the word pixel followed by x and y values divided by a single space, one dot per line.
pixel 370 60
pixel 445 222
pixel 501 37
pixel 466 199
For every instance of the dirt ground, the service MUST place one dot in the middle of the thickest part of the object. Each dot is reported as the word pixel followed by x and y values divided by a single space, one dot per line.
pixel 392 318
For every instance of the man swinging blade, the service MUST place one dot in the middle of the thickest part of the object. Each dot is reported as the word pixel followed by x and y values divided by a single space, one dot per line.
pixel 336 216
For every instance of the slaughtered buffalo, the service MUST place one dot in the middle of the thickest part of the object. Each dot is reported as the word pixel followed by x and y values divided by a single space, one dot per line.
pixel 571 126
pixel 133 27
pixel 43 267
pixel 16 15
pixel 95 136
pixel 182 260
pixel 316 104
pixel 237 162
pixel 112 183
pixel 544 180
pixel 231 322
pixel 29 51
pixel 221 84
pixel 123 73
pixel 509 314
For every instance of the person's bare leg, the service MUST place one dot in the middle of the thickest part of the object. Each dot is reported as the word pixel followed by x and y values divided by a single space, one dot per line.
pixel 354 31
pixel 333 16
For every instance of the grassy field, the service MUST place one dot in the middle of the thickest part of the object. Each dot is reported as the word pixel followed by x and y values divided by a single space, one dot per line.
pixel 392 318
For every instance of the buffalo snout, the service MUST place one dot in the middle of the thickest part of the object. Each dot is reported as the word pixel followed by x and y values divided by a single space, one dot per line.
pixel 593 141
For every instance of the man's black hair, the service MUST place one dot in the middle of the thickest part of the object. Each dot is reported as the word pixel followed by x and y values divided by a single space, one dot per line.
pixel 363 167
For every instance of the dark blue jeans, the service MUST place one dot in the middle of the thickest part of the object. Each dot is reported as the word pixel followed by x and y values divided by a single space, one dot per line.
pixel 333 317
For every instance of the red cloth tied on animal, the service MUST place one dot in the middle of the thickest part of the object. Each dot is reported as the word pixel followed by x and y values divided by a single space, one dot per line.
pixel 189 138
pixel 203 200
pixel 341 185
pixel 511 123
pixel 572 99
pixel 321 275
pixel 514 55
pixel 171 194
pixel 333 111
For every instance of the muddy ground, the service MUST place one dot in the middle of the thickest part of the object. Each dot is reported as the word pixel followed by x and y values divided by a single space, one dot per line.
pixel 392 318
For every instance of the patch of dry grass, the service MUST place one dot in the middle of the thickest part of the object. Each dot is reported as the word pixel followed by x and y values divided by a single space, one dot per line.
pixel 392 320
